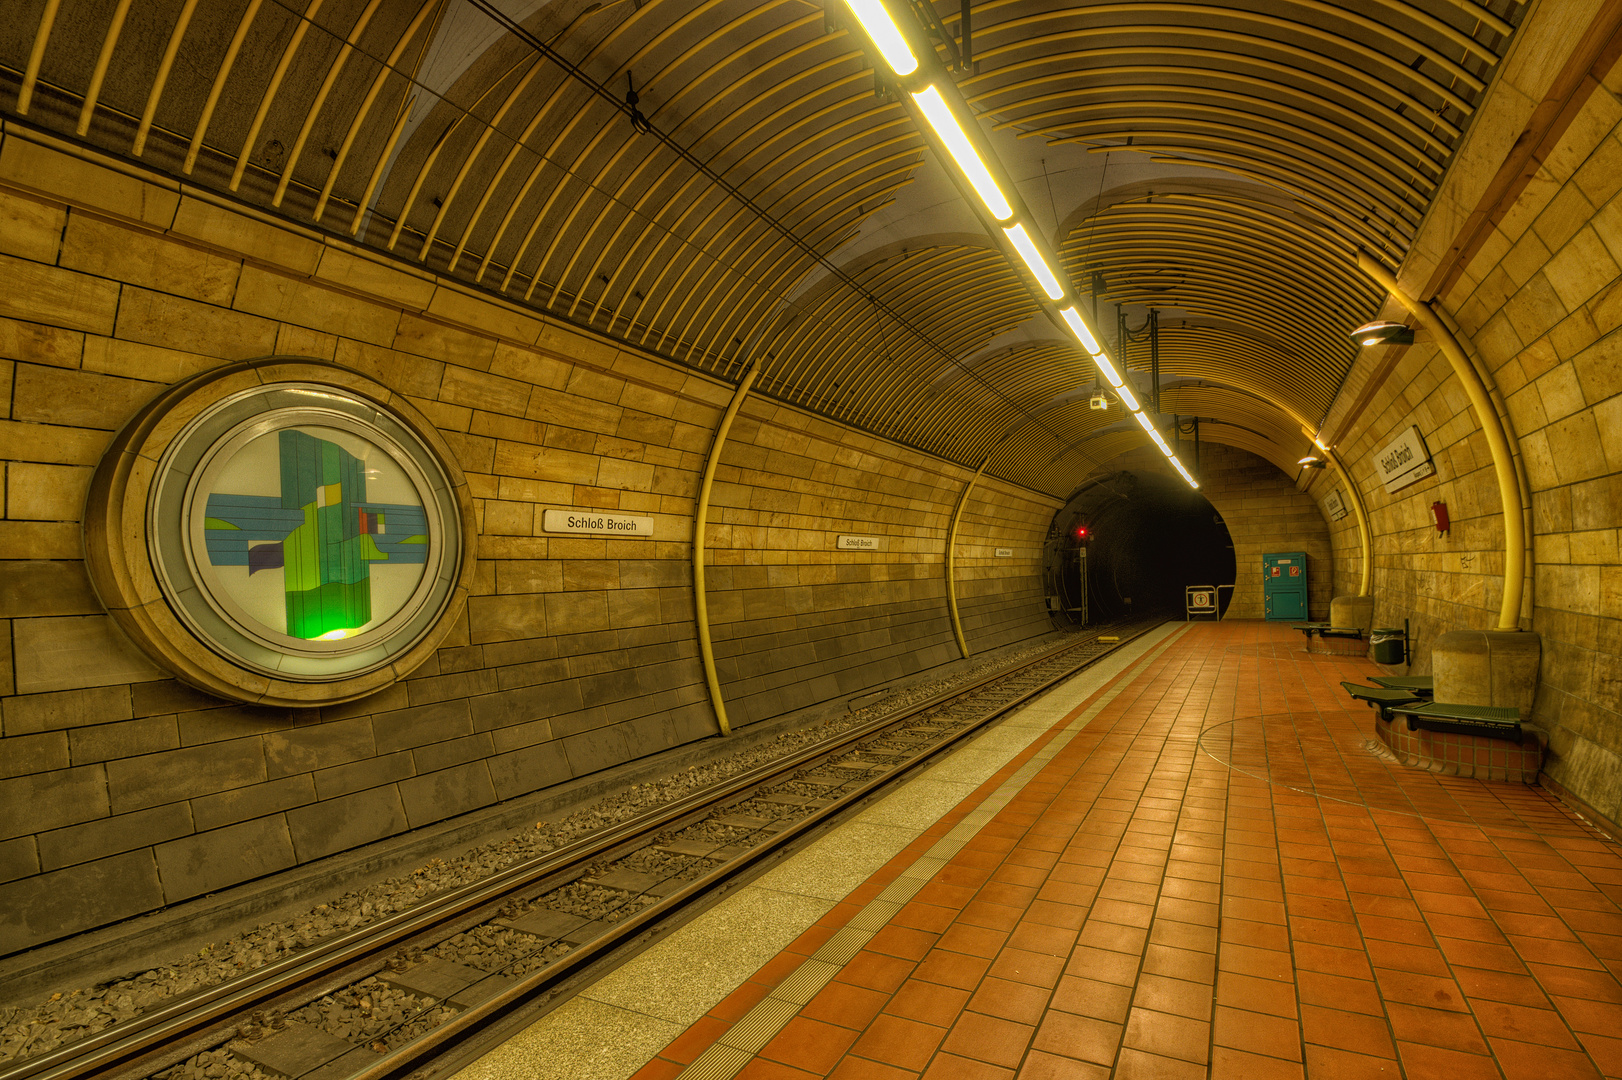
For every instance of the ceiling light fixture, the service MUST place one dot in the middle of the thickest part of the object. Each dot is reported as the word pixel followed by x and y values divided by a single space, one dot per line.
pixel 1312 462
pixel 957 143
pixel 952 134
pixel 1383 333
pixel 1072 319
pixel 1033 259
pixel 885 34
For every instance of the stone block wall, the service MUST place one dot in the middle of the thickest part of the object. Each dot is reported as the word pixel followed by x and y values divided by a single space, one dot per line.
pixel 797 621
pixel 1001 600
pixel 1539 308
pixel 122 790
pixel 1264 512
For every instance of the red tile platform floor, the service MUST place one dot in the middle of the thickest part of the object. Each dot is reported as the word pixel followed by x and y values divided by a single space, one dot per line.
pixel 1219 875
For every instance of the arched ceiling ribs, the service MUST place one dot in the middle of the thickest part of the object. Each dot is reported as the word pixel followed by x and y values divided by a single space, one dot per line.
pixel 1334 203
pixel 1269 139
pixel 1328 37
pixel 1334 148
pixel 1413 168
pixel 1216 66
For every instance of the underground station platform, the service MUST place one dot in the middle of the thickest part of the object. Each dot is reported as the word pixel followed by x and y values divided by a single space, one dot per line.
pixel 597 540
pixel 1198 860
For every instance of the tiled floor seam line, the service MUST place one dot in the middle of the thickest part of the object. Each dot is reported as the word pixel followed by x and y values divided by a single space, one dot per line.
pixel 1165 740
pixel 1159 688
pixel 736 1047
pixel 1158 684
pixel 911 881
pixel 1357 924
pixel 990 785
pixel 1430 931
pixel 1473 892
pixel 1435 939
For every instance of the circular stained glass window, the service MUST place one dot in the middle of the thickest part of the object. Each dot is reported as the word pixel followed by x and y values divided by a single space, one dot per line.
pixel 304 532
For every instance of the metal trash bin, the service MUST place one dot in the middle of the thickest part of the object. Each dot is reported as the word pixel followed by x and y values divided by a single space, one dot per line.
pixel 1389 645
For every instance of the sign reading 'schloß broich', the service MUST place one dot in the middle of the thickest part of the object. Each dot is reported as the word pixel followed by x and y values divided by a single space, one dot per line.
pixel 595 523
pixel 1403 460
pixel 863 543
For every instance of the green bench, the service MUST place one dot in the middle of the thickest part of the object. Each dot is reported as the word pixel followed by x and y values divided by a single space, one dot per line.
pixel 1381 698
pixel 1489 721
pixel 1325 630
pixel 1422 685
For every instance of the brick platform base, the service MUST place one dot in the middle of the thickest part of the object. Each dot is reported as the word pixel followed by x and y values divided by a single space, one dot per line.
pixel 1472 756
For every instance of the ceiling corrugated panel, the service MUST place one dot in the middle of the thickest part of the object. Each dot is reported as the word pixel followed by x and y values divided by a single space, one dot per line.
pixel 1217 162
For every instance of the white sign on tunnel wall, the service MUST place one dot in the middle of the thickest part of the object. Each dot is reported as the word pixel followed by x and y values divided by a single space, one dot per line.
pixel 595 523
pixel 1335 505
pixel 863 543
pixel 1403 461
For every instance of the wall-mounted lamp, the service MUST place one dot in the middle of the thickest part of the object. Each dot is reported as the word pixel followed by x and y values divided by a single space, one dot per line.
pixel 1311 462
pixel 1383 333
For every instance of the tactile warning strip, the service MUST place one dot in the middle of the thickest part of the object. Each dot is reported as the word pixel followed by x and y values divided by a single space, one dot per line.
pixel 727 1056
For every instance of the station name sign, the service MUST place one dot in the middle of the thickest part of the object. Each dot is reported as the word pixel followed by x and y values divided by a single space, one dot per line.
pixel 1335 505
pixel 1004 553
pixel 595 523
pixel 1403 461
pixel 863 543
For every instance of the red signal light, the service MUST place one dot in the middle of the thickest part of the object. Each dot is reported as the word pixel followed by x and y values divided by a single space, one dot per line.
pixel 1081 532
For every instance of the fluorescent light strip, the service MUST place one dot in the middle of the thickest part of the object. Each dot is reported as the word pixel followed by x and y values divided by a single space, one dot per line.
pixel 1039 267
pixel 885 34
pixel 940 117
pixel 1072 319
pixel 1126 396
pixel 1144 421
pixel 1160 441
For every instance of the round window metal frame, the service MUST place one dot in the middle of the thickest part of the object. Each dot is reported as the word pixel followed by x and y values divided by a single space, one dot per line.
pixel 204 447
pixel 143 533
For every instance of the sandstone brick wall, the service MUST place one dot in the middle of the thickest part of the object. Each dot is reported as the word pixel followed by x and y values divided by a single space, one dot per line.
pixel 122 790
pixel 796 621
pixel 1540 308
pixel 1263 512
pixel 1001 600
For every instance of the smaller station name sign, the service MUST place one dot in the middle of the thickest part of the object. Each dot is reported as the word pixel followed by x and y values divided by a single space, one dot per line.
pixel 1335 505
pixel 595 523
pixel 1004 553
pixel 863 543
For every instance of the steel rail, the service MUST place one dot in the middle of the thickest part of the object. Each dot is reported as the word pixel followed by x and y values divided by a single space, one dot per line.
pixel 113 1050
pixel 406 1060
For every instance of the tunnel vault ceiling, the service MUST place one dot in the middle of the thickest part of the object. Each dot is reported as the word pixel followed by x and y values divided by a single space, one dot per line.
pixel 1217 162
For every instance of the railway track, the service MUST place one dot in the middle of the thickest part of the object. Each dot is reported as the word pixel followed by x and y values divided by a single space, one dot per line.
pixel 455 972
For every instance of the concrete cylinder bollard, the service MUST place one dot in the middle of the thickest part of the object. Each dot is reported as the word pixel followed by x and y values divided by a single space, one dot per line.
pixel 1487 667
pixel 1355 611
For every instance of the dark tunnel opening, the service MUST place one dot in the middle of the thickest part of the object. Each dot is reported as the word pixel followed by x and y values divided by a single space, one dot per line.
pixel 1130 544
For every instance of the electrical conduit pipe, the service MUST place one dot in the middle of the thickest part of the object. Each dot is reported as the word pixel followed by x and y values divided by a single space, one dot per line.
pixel 1509 492
pixel 701 516
pixel 951 557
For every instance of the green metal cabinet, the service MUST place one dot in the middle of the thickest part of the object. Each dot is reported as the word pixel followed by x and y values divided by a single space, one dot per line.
pixel 1284 585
